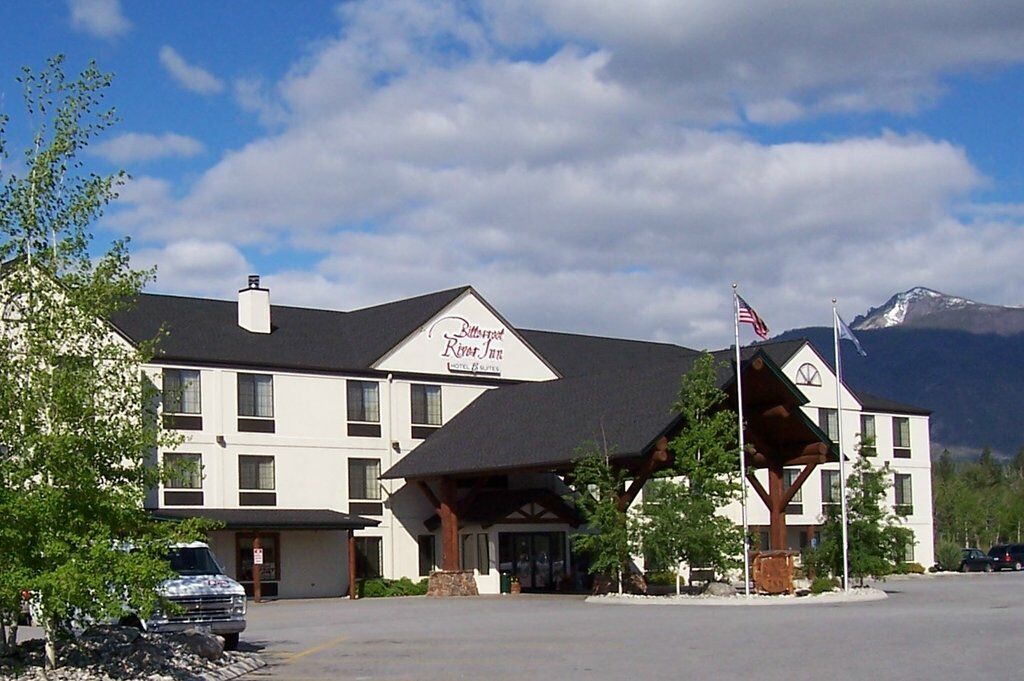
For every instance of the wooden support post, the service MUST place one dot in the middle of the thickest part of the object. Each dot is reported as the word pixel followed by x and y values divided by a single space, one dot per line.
pixel 429 494
pixel 777 509
pixel 257 596
pixel 798 483
pixel 756 485
pixel 352 565
pixel 658 458
pixel 449 526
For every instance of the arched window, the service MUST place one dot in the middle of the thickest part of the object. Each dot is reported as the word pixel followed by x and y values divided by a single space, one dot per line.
pixel 807 374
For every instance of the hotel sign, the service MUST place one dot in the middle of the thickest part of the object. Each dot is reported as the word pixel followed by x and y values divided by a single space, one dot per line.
pixel 467 347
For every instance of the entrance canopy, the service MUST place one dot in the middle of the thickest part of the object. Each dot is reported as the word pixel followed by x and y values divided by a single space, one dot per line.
pixel 513 506
pixel 626 411
pixel 270 518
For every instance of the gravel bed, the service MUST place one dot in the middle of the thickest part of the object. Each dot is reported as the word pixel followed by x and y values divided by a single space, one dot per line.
pixel 859 595
pixel 112 653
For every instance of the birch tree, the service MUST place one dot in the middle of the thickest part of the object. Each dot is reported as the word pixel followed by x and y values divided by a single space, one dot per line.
pixel 78 427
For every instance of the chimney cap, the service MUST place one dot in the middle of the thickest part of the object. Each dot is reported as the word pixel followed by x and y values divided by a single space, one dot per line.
pixel 254 281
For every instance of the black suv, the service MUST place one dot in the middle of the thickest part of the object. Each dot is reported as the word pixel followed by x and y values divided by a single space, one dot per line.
pixel 1007 556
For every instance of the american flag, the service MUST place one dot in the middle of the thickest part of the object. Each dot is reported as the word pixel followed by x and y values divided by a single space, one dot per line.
pixel 747 315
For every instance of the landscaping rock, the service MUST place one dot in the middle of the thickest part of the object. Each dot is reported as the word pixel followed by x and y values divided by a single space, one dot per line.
pixel 105 653
pixel 208 646
pixel 719 589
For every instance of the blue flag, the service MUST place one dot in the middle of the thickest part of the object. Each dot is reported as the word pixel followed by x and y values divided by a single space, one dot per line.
pixel 847 333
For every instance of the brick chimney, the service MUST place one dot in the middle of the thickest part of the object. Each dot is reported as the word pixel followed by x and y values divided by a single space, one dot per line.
pixel 254 307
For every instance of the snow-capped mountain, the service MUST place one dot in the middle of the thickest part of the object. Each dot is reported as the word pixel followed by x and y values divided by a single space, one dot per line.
pixel 925 308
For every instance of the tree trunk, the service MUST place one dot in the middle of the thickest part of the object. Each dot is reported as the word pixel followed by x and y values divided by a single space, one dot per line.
pixel 50 632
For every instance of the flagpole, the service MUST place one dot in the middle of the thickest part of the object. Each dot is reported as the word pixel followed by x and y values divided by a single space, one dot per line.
pixel 743 454
pixel 839 444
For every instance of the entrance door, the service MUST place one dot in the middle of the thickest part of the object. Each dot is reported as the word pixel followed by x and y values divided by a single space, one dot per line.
pixel 536 558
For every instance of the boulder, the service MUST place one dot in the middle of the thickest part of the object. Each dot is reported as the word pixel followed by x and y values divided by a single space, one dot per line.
pixel 207 646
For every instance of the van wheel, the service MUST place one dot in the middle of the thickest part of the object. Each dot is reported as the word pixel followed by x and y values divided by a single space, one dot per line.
pixel 1017 566
pixel 230 641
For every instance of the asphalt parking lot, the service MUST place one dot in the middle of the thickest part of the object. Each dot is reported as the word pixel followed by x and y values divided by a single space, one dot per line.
pixel 944 627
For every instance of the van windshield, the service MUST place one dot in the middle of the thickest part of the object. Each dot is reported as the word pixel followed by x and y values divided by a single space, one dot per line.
pixel 194 561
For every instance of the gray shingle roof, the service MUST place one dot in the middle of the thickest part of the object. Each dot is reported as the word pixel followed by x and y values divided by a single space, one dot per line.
pixel 270 518
pixel 206 331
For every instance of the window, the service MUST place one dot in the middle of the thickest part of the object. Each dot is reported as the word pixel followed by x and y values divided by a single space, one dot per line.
pixel 828 420
pixel 183 479
pixel 908 551
pixel 789 476
pixel 181 392
pixel 807 374
pixel 363 399
pixel 364 479
pixel 426 405
pixel 256 472
pixel 183 471
pixel 256 481
pixel 426 410
pixel 904 494
pixel 369 554
pixel 830 489
pixel 867 435
pixel 428 553
pixel 476 552
pixel 901 437
pixel 256 395
pixel 255 403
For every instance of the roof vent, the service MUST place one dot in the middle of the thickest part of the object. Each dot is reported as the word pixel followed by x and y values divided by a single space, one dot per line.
pixel 254 307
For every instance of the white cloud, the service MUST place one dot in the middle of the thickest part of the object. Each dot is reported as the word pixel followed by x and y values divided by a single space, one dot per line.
pixel 194 266
pixel 570 195
pixel 710 55
pixel 252 95
pixel 99 18
pixel 189 76
pixel 135 147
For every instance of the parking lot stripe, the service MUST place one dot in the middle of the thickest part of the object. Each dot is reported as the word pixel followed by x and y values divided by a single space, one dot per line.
pixel 291 657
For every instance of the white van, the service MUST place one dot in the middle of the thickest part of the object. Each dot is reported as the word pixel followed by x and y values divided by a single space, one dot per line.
pixel 209 600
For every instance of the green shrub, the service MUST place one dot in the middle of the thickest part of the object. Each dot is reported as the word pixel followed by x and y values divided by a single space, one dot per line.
pixel 909 569
pixel 822 585
pixel 661 577
pixel 948 555
pixel 383 588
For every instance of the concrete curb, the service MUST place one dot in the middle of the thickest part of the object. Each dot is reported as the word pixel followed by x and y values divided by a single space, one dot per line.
pixel 867 595
pixel 236 669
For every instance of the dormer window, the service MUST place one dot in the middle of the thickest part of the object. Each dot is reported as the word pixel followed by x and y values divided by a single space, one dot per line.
pixel 808 374
pixel 182 399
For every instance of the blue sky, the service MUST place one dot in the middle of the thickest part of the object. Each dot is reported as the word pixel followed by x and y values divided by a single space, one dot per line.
pixel 593 167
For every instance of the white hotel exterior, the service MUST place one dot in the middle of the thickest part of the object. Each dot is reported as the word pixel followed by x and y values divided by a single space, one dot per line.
pixel 294 414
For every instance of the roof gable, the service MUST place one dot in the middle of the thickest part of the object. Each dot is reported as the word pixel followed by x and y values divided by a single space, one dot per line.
pixel 467 337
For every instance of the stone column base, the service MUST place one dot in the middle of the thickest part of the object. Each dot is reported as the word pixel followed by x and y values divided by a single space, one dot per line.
pixel 455 583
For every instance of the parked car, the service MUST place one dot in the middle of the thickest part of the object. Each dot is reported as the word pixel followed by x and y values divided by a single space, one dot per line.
pixel 975 560
pixel 1007 556
pixel 207 598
